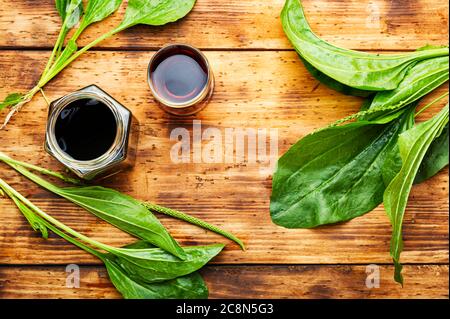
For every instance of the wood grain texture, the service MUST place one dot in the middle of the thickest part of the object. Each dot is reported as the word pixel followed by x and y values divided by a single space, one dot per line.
pixel 249 24
pixel 250 93
pixel 267 282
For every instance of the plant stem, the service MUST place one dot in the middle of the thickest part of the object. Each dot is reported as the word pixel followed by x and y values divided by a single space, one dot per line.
pixel 54 229
pixel 8 189
pixel 431 103
pixel 45 97
pixel 194 221
pixel 13 163
pixel 54 72
pixel 59 41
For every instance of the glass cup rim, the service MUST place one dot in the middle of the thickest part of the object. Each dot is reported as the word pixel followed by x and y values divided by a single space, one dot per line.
pixel 196 99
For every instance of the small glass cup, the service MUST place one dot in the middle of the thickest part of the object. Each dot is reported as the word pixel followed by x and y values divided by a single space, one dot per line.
pixel 121 154
pixel 187 106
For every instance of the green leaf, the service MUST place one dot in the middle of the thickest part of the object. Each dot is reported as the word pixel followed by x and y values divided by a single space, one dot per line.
pixel 420 80
pixel 35 221
pixel 413 145
pixel 364 71
pixel 335 174
pixel 12 100
pixel 123 212
pixel 187 287
pixel 435 159
pixel 70 48
pixel 333 84
pixel 72 10
pixel 155 265
pixel 98 10
pixel 155 12
pixel 118 209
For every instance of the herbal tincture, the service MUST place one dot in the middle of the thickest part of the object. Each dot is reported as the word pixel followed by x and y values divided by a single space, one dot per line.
pixel 85 129
pixel 91 133
pixel 180 79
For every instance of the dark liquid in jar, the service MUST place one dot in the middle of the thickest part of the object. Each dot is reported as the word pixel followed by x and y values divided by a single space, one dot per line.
pixel 179 75
pixel 85 129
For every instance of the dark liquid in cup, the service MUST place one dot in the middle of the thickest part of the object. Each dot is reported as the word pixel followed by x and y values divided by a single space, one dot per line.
pixel 86 129
pixel 179 75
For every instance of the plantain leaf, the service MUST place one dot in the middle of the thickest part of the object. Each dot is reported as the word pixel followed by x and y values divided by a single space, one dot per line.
pixel 12 100
pixel 420 80
pixel 435 159
pixel 413 145
pixel 364 71
pixel 333 84
pixel 187 287
pixel 123 212
pixel 118 209
pixel 98 10
pixel 155 12
pixel 72 10
pixel 336 174
pixel 35 221
pixel 155 265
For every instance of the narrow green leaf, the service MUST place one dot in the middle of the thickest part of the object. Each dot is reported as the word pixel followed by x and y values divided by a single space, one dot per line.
pixel 187 287
pixel 364 71
pixel 155 12
pixel 35 221
pixel 420 80
pixel 435 159
pixel 413 145
pixel 118 209
pixel 335 174
pixel 123 212
pixel 11 100
pixel 155 265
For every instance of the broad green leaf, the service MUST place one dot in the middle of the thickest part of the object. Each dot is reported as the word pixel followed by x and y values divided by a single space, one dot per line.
pixel 420 80
pixel 187 287
pixel 98 10
pixel 123 212
pixel 364 71
pixel 413 145
pixel 435 159
pixel 335 174
pixel 155 12
pixel 154 264
pixel 12 100
pixel 333 84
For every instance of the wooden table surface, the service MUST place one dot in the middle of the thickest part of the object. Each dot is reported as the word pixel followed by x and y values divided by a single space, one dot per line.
pixel 260 84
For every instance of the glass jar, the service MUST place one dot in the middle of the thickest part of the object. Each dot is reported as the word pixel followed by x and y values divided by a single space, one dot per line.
pixel 119 156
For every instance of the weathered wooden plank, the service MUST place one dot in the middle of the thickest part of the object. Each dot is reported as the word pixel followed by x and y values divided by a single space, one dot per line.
pixel 364 240
pixel 246 282
pixel 279 94
pixel 379 24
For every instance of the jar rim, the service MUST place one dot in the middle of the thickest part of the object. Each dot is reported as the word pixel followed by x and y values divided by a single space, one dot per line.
pixel 100 162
